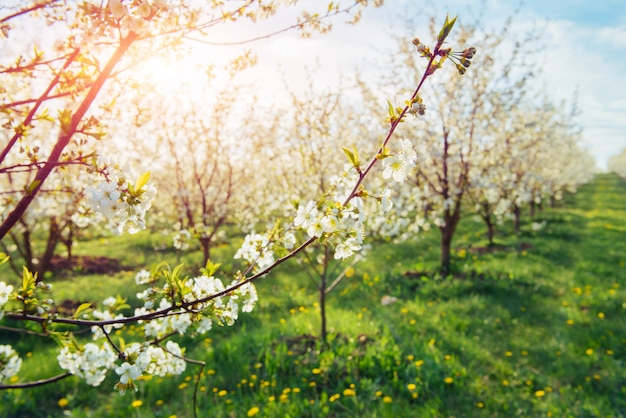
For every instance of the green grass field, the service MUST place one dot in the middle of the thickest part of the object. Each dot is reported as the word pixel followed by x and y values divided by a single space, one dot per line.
pixel 532 327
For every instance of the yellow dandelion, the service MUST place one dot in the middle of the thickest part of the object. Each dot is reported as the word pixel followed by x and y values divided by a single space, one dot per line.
pixel 29 354
pixel 334 397
pixel 271 398
pixel 570 322
pixel 447 357
pixel 253 411
pixel 414 395
pixel 589 351
pixel 182 386
pixel 378 393
pixel 411 387
pixel 159 402
pixel 316 371
pixel 540 393
pixel 410 357
pixel 448 380
pixel 312 384
pixel 173 416
pixel 210 372
pixel 63 402
pixel 601 315
pixel 222 392
pixel 137 403
pixel 597 376
pixel 480 405
pixel 609 352
pixel 349 392
pixel 508 354
pixel 283 397
pixel 419 363
pixel 505 382
pixel 387 399
pixel 524 353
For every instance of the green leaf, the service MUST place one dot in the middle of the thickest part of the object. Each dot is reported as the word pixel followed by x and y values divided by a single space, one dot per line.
pixel 177 270
pixel 65 120
pixel 28 279
pixel 391 110
pixel 142 181
pixel 350 155
pixel 31 187
pixel 3 258
pixel 83 308
pixel 445 30
pixel 210 268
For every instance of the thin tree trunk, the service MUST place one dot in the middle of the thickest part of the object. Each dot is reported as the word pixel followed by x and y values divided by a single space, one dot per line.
pixel 446 244
pixel 516 217
pixel 53 239
pixel 323 330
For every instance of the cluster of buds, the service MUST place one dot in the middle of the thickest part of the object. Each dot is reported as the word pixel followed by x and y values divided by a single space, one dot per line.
pixel 462 59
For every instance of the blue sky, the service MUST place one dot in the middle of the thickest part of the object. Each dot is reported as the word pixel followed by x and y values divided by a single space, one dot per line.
pixel 585 53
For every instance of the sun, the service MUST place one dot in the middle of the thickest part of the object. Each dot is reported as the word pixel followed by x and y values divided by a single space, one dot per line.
pixel 170 73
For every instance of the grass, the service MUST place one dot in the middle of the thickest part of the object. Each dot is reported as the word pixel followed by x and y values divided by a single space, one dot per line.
pixel 532 328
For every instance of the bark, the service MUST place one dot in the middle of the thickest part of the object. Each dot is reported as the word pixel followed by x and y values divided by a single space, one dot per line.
pixel 53 240
pixel 517 211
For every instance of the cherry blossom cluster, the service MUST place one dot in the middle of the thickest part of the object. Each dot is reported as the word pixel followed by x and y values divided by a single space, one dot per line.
pixel 10 362
pixel 120 202
pixel 5 292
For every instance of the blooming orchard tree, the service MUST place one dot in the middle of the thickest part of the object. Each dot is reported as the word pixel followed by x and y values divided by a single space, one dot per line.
pixel 617 164
pixel 93 39
pixel 209 134
pixel 452 145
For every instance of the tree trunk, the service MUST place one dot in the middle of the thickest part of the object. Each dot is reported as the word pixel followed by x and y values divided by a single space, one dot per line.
pixel 516 214
pixel 490 231
pixel 206 250
pixel 53 239
pixel 446 244
pixel 323 330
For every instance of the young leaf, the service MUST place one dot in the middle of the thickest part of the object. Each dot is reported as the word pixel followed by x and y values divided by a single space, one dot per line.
pixel 65 120
pixel 445 30
pixel 210 268
pixel 142 181
pixel 83 308
pixel 31 187
pixel 350 155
